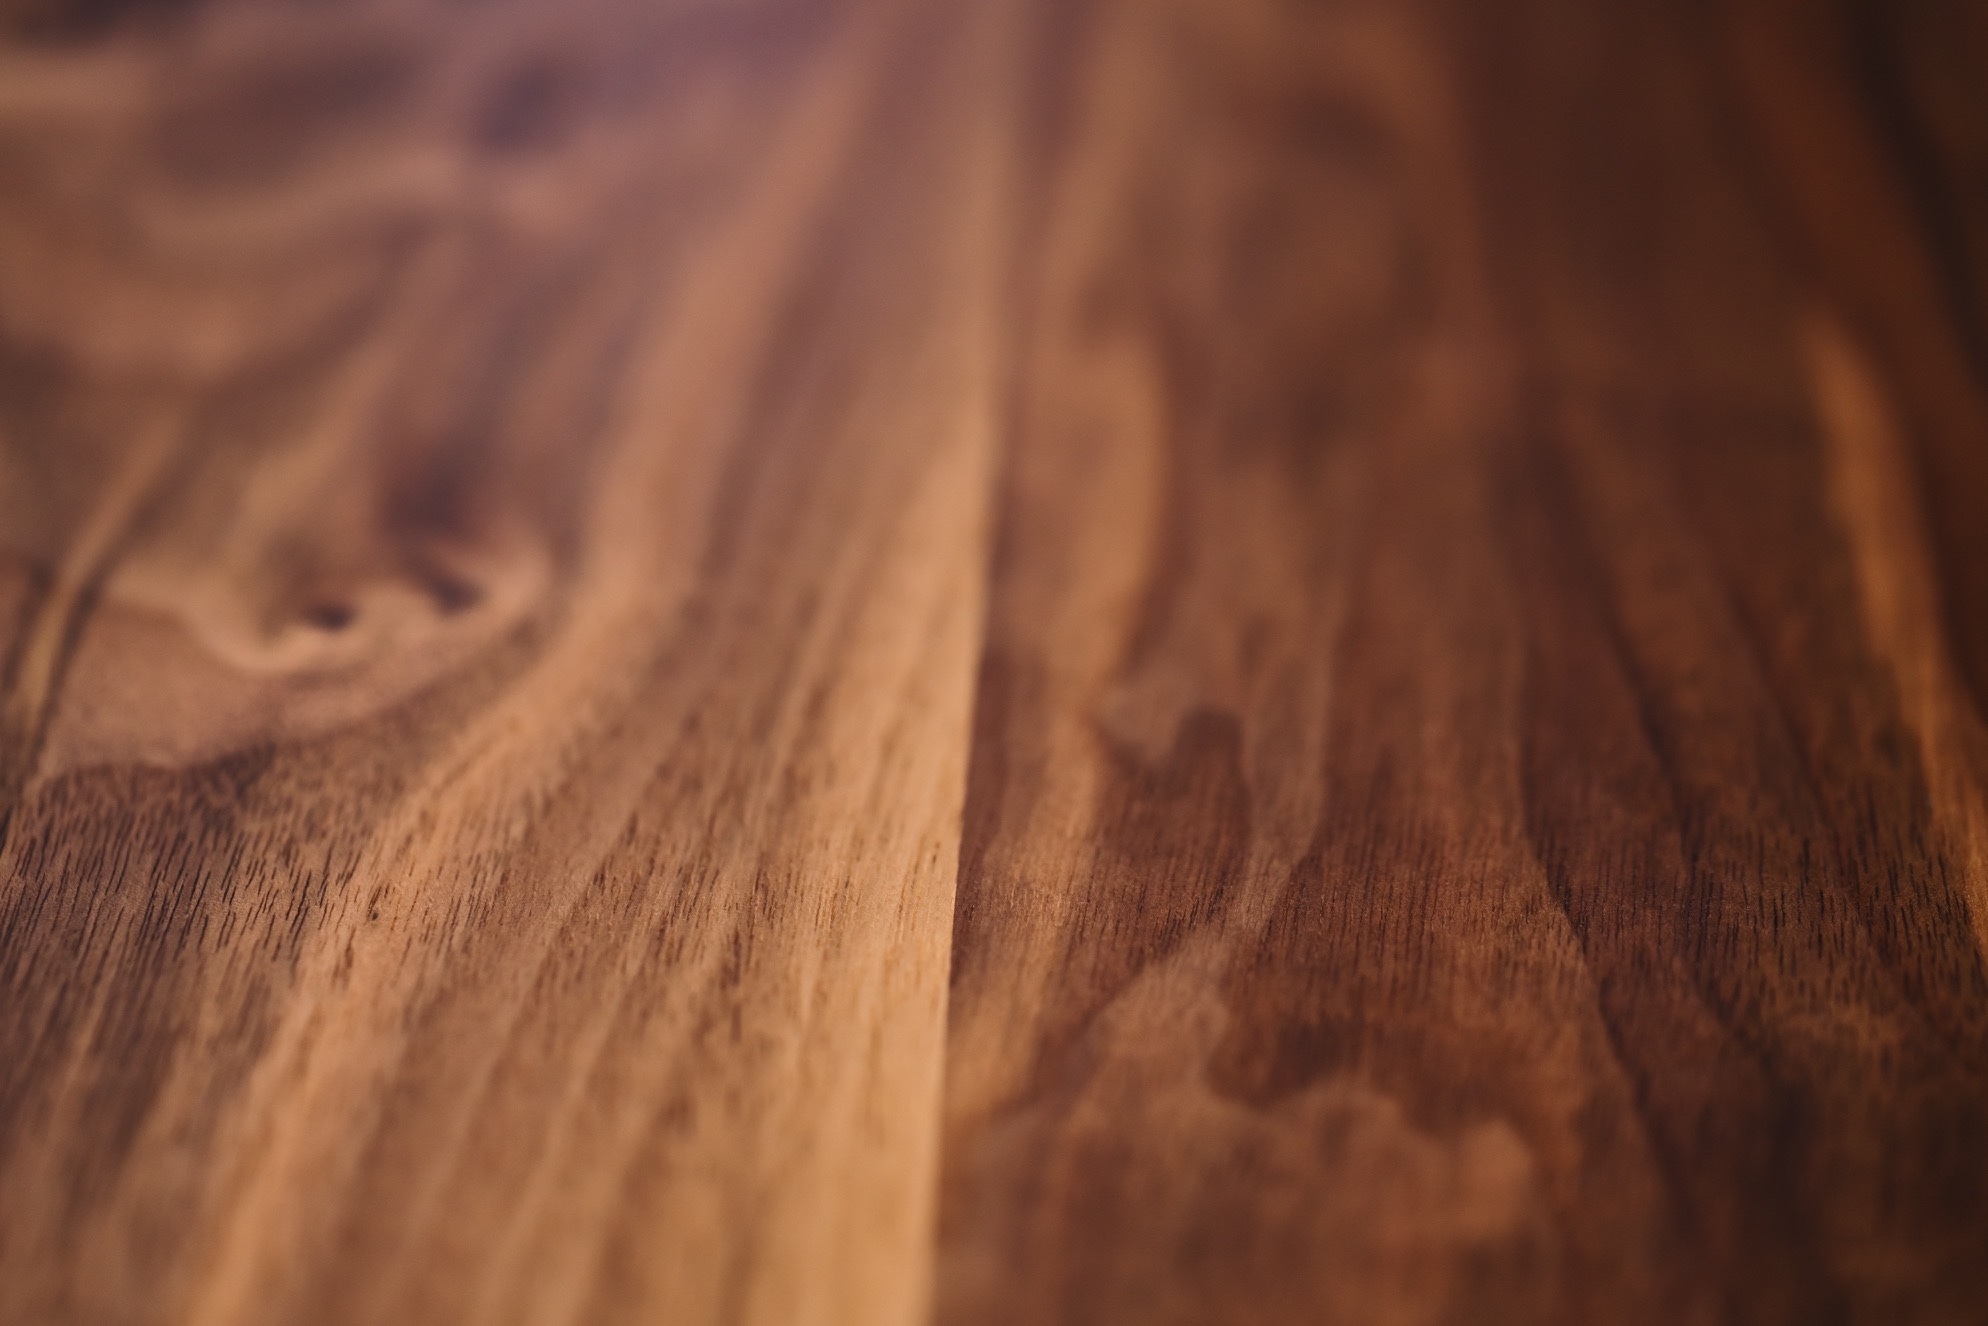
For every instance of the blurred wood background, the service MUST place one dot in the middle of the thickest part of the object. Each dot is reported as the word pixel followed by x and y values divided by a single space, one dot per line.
pixel 880 661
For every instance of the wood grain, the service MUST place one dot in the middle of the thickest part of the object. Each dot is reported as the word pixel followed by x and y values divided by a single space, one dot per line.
pixel 1477 791
pixel 500 515
pixel 865 661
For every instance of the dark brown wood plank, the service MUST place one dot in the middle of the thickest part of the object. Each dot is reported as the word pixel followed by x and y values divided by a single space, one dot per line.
pixel 1477 797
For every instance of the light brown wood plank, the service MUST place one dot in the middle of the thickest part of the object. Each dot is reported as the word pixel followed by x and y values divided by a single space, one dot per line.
pixel 498 513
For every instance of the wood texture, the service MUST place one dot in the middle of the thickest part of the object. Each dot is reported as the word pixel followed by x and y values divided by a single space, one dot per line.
pixel 503 509
pixel 1162 661
pixel 1477 793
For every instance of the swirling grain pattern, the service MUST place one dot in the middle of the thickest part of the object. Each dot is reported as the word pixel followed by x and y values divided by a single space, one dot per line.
pixel 499 496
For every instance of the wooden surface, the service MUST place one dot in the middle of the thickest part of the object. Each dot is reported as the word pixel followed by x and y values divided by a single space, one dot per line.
pixel 1143 661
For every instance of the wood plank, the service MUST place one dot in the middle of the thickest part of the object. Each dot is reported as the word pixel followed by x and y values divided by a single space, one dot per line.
pixel 1478 779
pixel 495 522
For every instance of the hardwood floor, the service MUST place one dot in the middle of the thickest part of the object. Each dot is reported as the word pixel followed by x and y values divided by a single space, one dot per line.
pixel 867 661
